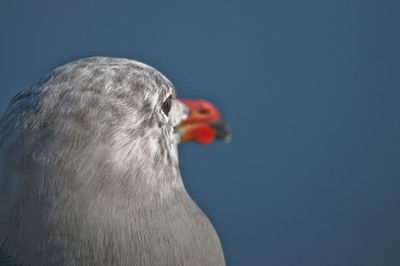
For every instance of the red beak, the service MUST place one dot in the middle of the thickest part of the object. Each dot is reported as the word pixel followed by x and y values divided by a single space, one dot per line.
pixel 204 123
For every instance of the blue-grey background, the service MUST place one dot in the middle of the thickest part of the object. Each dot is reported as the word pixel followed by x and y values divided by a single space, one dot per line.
pixel 311 92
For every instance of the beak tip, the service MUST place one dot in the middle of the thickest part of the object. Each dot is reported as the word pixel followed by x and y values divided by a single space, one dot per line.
pixel 223 132
pixel 228 138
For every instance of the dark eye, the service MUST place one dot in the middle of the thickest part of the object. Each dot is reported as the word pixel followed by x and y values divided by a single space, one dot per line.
pixel 166 105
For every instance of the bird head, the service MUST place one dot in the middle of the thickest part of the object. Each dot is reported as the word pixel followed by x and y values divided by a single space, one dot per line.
pixel 108 117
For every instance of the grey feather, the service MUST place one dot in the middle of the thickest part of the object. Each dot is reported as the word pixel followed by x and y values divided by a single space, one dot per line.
pixel 89 172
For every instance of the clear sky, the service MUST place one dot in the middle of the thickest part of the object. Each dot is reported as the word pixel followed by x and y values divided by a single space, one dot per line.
pixel 310 90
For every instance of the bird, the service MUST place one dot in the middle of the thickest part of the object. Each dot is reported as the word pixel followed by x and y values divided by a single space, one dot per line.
pixel 89 169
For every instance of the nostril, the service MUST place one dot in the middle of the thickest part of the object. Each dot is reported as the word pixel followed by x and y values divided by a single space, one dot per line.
pixel 203 111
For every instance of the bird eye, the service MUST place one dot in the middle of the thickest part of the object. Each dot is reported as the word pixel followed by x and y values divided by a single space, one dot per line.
pixel 166 105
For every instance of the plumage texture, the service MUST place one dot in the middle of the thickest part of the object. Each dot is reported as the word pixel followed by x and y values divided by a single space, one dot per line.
pixel 89 172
